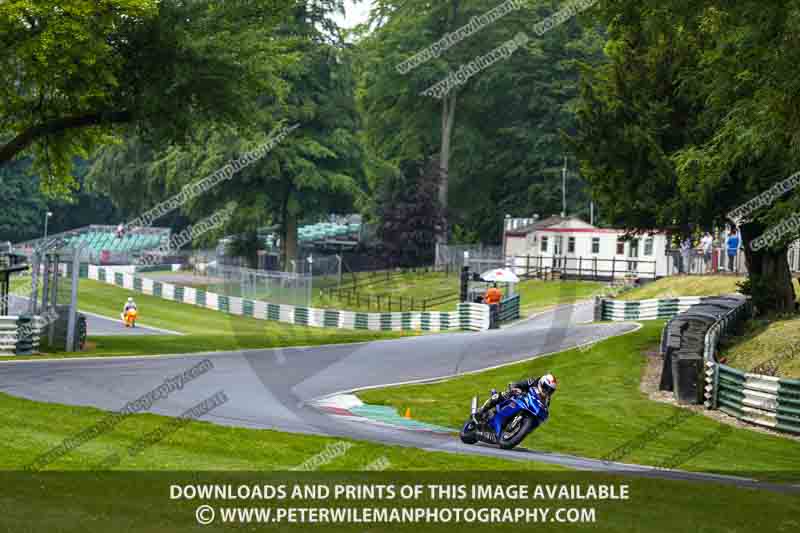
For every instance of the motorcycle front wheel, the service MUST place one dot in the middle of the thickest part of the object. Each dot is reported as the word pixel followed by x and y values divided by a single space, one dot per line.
pixel 516 430
pixel 469 432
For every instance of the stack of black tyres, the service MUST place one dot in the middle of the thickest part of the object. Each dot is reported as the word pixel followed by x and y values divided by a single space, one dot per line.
pixel 683 346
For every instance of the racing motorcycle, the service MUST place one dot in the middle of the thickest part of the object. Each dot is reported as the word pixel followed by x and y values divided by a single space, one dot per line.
pixel 508 423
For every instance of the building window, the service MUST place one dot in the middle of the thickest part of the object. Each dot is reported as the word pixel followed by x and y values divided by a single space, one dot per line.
pixel 571 245
pixel 544 243
pixel 620 247
pixel 595 245
pixel 648 247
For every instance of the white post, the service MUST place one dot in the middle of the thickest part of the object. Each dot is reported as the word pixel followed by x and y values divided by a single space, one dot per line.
pixel 73 305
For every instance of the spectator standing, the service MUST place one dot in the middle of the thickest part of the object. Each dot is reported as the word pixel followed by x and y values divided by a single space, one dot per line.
pixel 732 245
pixel 706 246
pixel 686 251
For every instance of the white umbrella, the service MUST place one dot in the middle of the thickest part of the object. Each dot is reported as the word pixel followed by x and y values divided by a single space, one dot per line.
pixel 500 274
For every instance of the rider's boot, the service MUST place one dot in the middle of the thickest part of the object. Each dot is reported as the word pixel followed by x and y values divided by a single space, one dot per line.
pixel 493 400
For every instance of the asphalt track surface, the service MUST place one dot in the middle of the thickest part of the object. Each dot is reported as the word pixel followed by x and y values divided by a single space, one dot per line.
pixel 276 388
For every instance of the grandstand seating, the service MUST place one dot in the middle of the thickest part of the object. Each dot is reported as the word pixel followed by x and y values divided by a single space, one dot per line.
pixel 322 231
pixel 99 239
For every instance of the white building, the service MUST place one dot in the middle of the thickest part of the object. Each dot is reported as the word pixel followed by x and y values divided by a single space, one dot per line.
pixel 575 247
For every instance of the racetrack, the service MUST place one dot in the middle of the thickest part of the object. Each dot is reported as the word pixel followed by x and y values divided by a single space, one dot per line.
pixel 273 388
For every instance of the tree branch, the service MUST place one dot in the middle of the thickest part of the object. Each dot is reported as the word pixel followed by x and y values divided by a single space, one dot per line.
pixel 30 135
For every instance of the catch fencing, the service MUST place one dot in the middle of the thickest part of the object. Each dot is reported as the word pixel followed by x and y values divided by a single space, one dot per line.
pixel 468 316
pixel 278 287
pixel 451 256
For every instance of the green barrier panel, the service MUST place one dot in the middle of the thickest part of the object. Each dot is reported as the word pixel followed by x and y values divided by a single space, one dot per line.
pixel 301 316
pixel 248 307
pixel 273 312
pixel 362 321
pixel 331 318
pixel 405 320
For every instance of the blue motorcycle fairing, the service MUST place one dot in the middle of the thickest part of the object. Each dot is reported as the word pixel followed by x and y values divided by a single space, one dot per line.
pixel 508 409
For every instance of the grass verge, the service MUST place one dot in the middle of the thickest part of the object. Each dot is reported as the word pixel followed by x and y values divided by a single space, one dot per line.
pixel 766 346
pixel 674 286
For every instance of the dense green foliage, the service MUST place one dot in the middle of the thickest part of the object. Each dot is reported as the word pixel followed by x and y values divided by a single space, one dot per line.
pixel 72 70
pixel 674 113
pixel 695 115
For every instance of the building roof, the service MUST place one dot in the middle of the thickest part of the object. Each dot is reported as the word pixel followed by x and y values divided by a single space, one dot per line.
pixel 552 222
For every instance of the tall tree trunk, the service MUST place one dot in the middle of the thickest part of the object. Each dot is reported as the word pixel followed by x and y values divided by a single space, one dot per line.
pixel 771 283
pixel 448 119
pixel 289 230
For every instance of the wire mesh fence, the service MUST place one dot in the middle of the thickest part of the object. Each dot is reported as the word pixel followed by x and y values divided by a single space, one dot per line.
pixel 451 256
pixel 272 286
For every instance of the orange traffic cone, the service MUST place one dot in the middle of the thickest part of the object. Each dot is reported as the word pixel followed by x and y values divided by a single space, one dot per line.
pixel 408 413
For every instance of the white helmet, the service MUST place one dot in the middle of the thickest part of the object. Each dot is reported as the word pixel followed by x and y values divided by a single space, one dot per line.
pixel 130 300
pixel 547 385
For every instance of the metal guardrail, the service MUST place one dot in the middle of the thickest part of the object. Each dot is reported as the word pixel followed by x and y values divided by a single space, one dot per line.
pixel 765 401
pixel 761 400
pixel 621 310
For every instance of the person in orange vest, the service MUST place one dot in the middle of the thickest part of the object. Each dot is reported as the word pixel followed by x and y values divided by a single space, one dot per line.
pixel 493 295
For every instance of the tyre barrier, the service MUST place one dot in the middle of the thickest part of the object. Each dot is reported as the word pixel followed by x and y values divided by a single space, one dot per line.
pixel 686 340
pixel 19 335
pixel 468 316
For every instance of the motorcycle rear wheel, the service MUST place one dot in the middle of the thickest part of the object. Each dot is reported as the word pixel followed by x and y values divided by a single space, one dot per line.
pixel 510 439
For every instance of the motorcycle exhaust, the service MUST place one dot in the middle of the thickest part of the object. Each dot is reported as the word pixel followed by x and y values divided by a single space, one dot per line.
pixel 474 408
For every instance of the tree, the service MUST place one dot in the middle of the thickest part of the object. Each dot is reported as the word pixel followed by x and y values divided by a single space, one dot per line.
pixel 71 71
pixel 317 168
pixel 410 215
pixel 497 136
pixel 693 117
pixel 25 206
